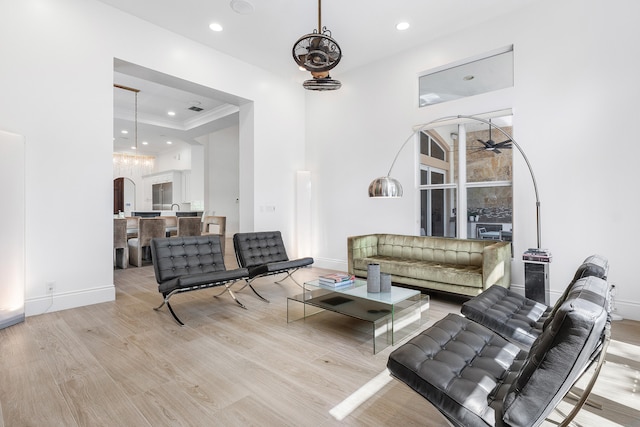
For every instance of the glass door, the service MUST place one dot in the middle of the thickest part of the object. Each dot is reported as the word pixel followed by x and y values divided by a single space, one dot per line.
pixel 434 208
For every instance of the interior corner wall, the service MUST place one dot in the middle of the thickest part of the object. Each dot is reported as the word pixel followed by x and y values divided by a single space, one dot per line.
pixel 246 202
pixel 572 85
pixel 58 93
pixel 223 182
pixel 196 177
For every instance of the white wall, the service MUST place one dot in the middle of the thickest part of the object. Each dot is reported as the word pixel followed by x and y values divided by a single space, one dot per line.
pixel 178 159
pixel 57 91
pixel 575 94
pixel 223 181
pixel 194 179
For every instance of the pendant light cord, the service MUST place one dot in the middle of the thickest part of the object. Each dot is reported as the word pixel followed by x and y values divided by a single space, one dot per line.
pixel 136 123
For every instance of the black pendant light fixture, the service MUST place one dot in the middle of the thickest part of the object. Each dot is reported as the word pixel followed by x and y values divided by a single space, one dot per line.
pixel 318 53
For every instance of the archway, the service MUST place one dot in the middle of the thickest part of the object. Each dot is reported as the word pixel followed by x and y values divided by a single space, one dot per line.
pixel 124 195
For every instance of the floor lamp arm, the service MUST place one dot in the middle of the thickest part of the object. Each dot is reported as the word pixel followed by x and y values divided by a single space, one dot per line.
pixel 513 141
pixel 400 150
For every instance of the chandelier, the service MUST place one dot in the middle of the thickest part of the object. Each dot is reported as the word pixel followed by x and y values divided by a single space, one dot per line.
pixel 126 164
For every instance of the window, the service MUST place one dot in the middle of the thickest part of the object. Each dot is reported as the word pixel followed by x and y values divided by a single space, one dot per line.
pixel 486 73
pixel 437 198
pixel 481 190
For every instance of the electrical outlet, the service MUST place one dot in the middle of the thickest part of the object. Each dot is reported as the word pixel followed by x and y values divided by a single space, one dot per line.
pixel 50 287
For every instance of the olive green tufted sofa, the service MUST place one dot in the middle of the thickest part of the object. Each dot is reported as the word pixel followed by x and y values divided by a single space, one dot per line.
pixel 461 266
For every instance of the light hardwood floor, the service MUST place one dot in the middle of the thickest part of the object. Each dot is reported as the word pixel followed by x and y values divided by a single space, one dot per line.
pixel 124 364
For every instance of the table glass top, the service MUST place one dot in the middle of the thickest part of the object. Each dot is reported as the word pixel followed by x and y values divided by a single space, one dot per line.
pixel 359 289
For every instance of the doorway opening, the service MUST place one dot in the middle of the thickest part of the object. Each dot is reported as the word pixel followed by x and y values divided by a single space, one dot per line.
pixel 124 196
pixel 207 128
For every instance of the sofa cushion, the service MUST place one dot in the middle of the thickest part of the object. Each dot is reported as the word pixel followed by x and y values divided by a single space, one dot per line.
pixel 278 267
pixel 521 319
pixel 258 248
pixel 434 249
pixel 456 274
pixel 594 265
pixel 202 280
pixel 508 313
pixel 179 256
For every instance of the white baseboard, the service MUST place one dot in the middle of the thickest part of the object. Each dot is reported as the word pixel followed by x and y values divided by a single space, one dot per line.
pixel 66 300
pixel 627 310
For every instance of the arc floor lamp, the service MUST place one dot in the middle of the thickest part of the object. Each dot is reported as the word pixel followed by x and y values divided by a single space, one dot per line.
pixel 386 186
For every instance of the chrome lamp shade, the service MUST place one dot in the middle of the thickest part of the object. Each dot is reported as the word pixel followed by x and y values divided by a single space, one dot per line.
pixel 385 186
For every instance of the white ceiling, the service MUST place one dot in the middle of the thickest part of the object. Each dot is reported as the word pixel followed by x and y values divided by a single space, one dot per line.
pixel 156 128
pixel 364 29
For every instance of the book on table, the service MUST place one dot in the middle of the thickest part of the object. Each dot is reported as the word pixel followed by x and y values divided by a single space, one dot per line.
pixel 336 279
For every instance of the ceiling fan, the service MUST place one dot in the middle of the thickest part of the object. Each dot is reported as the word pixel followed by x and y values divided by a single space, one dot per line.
pixel 491 145
pixel 318 53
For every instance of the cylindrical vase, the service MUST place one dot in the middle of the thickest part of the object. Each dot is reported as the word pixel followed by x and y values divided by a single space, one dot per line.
pixel 373 278
pixel 385 282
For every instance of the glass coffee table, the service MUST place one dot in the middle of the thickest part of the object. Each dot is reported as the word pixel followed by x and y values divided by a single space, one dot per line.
pixel 394 315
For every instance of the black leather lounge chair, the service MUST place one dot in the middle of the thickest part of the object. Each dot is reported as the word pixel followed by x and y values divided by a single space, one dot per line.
pixel 475 377
pixel 263 254
pixel 520 319
pixel 184 264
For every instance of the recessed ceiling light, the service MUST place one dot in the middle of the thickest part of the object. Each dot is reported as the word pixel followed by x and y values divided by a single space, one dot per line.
pixel 242 7
pixel 124 131
pixel 171 113
pixel 169 142
pixel 401 26
pixel 133 147
pixel 145 143
pixel 215 27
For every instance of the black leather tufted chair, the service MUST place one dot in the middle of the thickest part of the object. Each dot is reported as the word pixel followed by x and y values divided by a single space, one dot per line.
pixel 184 264
pixel 520 319
pixel 263 254
pixel 475 377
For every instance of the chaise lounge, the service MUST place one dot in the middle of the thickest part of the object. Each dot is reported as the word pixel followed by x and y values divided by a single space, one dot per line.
pixel 518 318
pixel 475 377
